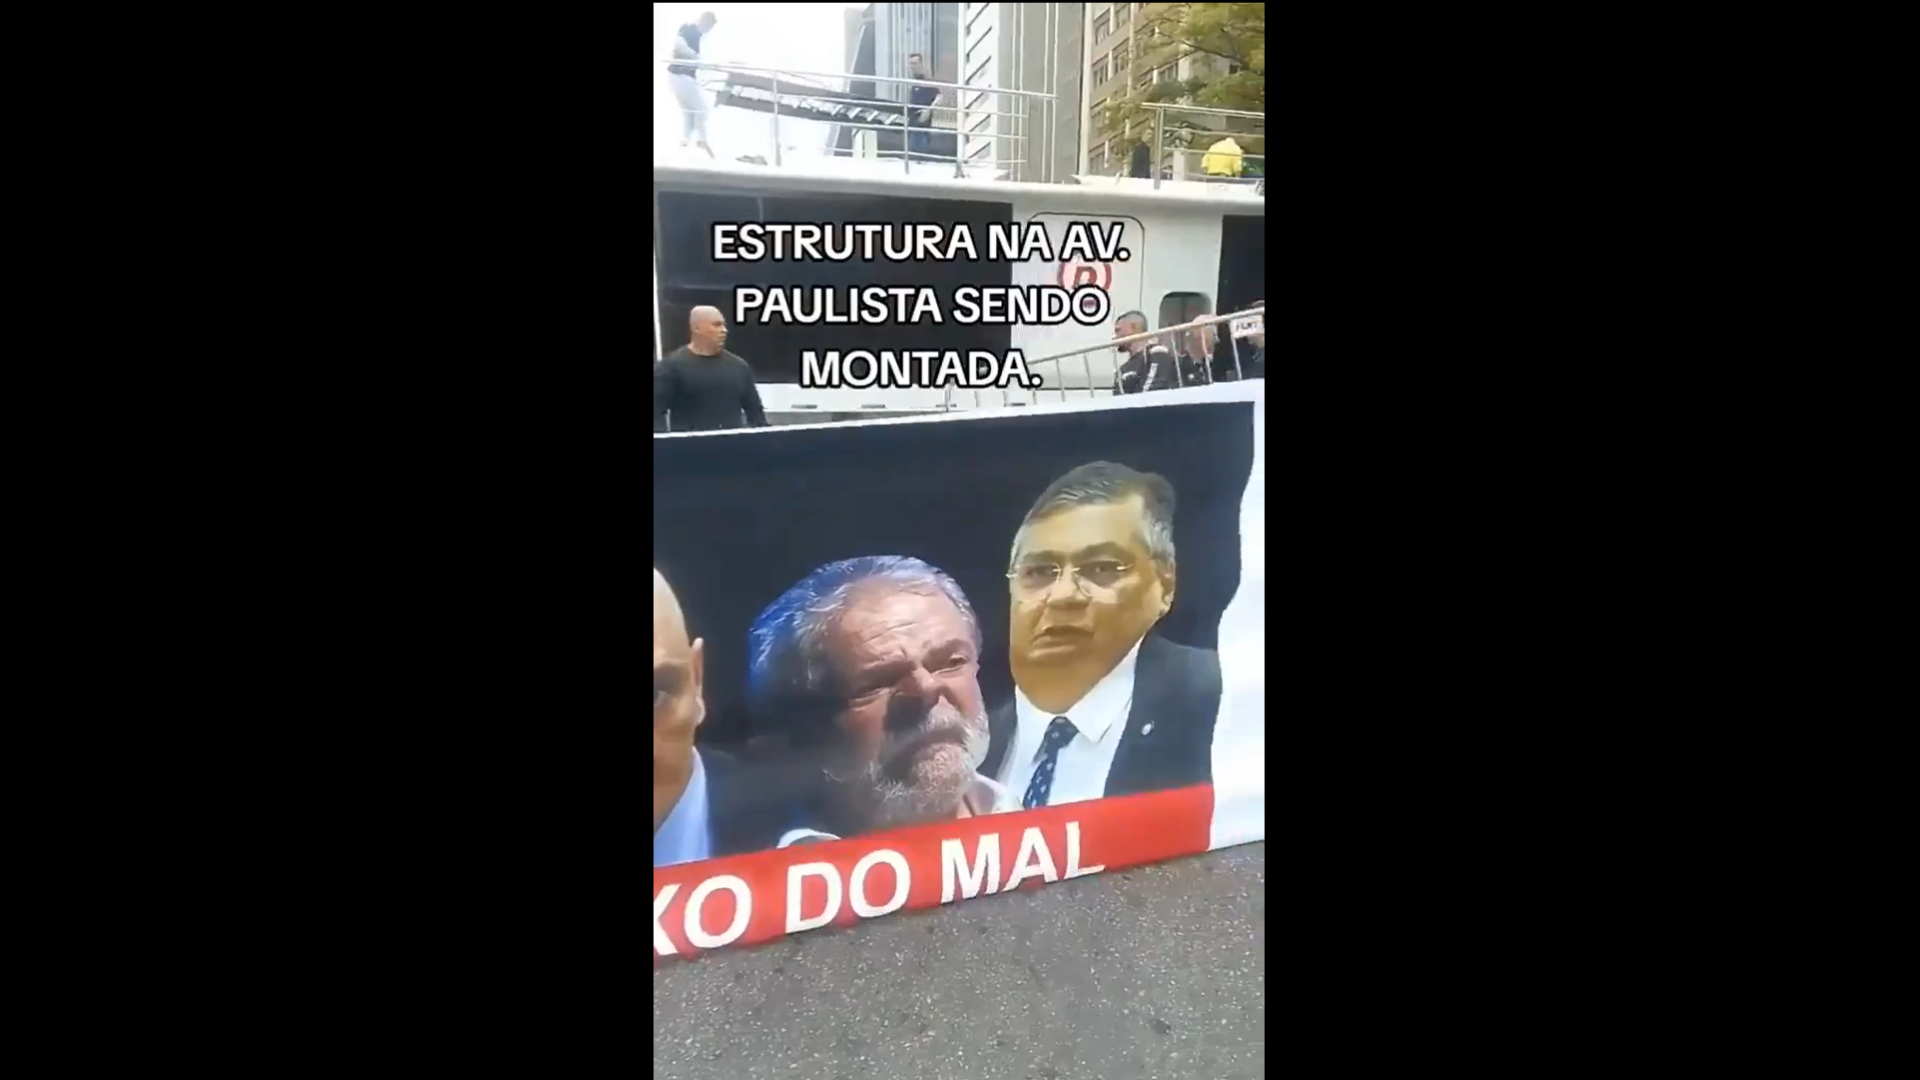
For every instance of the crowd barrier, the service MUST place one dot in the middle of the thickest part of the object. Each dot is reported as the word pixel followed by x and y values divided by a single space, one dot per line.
pixel 910 662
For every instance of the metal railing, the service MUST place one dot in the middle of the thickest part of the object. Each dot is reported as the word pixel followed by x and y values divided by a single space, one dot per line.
pixel 1173 334
pixel 845 100
pixel 1161 109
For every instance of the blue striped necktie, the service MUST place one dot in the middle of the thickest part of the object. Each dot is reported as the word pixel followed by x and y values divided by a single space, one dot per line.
pixel 1059 734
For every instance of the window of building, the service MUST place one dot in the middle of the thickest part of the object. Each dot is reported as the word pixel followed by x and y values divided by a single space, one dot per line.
pixel 1181 307
pixel 1122 14
pixel 1100 71
pixel 1102 26
pixel 1184 307
pixel 1234 69
pixel 1120 61
pixel 1165 74
pixel 1146 79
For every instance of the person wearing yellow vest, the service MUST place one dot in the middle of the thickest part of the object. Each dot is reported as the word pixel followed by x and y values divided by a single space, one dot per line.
pixel 1224 158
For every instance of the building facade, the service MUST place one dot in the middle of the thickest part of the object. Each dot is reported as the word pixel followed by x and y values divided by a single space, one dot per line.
pixel 900 30
pixel 1032 47
pixel 880 37
pixel 1122 62
pixel 1089 56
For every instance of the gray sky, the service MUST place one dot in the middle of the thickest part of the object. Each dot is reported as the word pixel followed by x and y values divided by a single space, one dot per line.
pixel 794 37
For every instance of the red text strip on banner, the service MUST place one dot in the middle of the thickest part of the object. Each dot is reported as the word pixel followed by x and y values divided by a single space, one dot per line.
pixel 749 899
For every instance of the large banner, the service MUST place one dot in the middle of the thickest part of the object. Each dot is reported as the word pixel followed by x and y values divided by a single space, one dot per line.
pixel 907 662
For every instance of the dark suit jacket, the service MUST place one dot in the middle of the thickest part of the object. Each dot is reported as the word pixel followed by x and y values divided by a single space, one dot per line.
pixel 1176 690
pixel 752 802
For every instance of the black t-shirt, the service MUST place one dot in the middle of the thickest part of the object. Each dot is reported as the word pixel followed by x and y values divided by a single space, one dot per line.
pixel 1140 163
pixel 691 35
pixel 919 96
pixel 705 393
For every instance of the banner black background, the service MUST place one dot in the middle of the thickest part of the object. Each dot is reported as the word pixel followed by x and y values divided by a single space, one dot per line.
pixel 738 518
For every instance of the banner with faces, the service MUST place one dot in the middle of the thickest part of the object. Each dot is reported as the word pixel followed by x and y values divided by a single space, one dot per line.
pixel 912 661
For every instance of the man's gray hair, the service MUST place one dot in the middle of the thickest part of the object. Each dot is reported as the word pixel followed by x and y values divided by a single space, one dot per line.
pixel 1103 483
pixel 787 644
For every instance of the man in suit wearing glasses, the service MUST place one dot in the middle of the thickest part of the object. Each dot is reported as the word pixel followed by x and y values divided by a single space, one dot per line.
pixel 1100 708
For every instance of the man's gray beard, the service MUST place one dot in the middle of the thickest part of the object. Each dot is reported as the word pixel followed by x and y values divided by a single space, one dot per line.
pixel 886 803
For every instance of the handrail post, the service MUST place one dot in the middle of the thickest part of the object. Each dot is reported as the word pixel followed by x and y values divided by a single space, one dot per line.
pixel 1053 118
pixel 776 120
pixel 959 166
pixel 1159 143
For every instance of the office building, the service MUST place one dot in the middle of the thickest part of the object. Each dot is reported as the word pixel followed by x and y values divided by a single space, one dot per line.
pixel 1122 62
pixel 1088 56
pixel 1034 47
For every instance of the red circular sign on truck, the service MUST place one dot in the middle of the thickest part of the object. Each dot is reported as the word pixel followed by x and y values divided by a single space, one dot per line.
pixel 1075 274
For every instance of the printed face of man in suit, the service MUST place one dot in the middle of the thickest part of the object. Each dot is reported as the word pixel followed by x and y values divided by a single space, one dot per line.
pixel 678 706
pixel 914 722
pixel 1085 590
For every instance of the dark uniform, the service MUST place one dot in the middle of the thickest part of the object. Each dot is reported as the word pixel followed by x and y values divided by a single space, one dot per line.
pixel 1151 368
pixel 705 393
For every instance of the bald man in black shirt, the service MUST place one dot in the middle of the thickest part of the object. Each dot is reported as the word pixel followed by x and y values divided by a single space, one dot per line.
pixel 703 387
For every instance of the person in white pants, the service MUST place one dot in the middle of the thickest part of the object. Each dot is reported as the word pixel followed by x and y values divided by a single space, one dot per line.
pixel 686 87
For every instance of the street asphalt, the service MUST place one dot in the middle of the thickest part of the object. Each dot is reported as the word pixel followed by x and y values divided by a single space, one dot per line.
pixel 1157 972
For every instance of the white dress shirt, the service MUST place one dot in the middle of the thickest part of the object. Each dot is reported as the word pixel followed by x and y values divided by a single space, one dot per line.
pixel 685 837
pixel 1099 720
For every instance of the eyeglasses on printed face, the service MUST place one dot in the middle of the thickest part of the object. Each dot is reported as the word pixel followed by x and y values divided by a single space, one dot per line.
pixel 1096 577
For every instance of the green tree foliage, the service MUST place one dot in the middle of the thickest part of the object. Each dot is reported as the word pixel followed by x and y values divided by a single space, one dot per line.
pixel 1227 33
